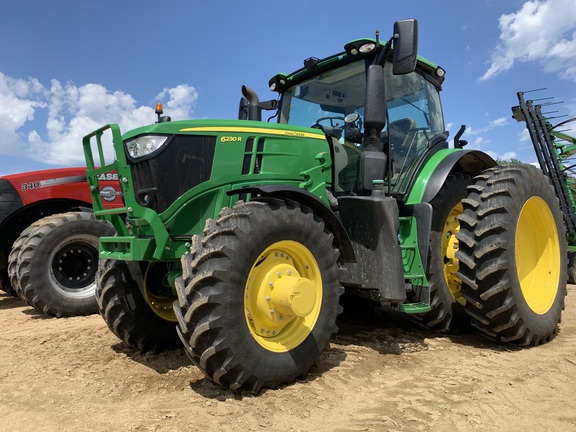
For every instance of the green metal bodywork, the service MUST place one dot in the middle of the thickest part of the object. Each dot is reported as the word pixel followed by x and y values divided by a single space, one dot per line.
pixel 565 146
pixel 291 156
pixel 416 193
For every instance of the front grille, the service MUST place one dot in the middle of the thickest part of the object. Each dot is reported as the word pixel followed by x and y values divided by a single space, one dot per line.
pixel 185 162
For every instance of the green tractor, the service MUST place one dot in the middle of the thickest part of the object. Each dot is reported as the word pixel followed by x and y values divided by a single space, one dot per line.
pixel 238 237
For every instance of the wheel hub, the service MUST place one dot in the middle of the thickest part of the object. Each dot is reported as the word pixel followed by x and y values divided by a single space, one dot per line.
pixel 293 296
pixel 159 289
pixel 279 295
pixel 74 266
pixel 451 263
pixel 450 246
pixel 283 295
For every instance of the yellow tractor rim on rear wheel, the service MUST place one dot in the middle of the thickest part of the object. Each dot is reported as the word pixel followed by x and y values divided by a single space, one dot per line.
pixel 537 255
pixel 283 296
pixel 449 249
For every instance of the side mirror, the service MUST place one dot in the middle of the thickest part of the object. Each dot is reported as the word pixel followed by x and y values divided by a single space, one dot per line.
pixel 405 51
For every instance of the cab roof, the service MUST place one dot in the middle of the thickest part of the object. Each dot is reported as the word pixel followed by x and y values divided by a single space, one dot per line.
pixel 314 66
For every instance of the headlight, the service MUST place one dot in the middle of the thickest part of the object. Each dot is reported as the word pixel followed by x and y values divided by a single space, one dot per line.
pixel 144 145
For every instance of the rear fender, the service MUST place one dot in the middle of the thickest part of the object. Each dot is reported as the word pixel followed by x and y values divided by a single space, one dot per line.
pixel 430 181
pixel 436 170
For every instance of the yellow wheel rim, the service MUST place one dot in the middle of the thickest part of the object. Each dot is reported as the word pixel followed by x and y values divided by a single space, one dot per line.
pixel 283 296
pixel 449 249
pixel 158 290
pixel 538 255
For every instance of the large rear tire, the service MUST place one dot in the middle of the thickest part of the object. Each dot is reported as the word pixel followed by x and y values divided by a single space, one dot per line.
pixel 13 257
pixel 13 262
pixel 5 284
pixel 446 301
pixel 258 298
pixel 128 315
pixel 57 264
pixel 513 255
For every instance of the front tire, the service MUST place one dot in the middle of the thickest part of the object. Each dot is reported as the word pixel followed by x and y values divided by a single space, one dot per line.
pixel 127 313
pixel 259 294
pixel 57 264
pixel 513 255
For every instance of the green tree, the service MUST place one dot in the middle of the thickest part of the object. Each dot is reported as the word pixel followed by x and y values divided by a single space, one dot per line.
pixel 508 162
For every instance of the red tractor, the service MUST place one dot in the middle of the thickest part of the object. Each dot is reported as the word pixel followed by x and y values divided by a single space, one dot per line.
pixel 49 238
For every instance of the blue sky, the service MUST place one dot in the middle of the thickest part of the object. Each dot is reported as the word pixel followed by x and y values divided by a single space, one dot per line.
pixel 67 68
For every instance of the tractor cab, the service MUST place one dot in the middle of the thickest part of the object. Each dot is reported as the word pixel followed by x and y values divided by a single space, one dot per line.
pixel 327 100
pixel 331 94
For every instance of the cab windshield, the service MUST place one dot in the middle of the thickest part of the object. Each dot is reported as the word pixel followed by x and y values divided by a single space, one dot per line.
pixel 335 93
pixel 414 117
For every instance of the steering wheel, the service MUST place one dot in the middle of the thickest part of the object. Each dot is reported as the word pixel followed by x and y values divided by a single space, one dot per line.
pixel 331 118
pixel 334 129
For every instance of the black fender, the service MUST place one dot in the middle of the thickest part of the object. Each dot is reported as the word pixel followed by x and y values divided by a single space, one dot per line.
pixel 10 200
pixel 83 209
pixel 332 222
pixel 472 162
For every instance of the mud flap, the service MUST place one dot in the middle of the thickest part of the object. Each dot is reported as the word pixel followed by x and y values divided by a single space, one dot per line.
pixel 372 224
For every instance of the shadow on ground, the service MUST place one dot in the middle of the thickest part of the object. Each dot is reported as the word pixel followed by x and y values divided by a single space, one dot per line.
pixel 384 330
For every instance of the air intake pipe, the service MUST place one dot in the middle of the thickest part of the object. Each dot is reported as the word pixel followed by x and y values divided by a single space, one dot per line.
pixel 252 110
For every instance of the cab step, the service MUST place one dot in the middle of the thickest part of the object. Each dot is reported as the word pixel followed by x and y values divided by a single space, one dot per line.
pixel 414 308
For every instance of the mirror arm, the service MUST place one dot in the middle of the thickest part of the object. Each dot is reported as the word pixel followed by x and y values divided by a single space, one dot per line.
pixel 384 53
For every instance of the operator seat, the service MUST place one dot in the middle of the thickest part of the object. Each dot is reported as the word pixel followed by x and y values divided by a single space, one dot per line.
pixel 346 157
pixel 402 133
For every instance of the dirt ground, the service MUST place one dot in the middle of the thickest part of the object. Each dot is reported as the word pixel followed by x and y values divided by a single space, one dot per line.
pixel 381 374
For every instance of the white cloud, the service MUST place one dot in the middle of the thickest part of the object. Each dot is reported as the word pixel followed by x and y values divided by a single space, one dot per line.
pixel 508 155
pixel 478 142
pixel 491 153
pixel 543 31
pixel 181 99
pixel 72 111
pixel 20 99
pixel 501 121
pixel 492 124
pixel 524 136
